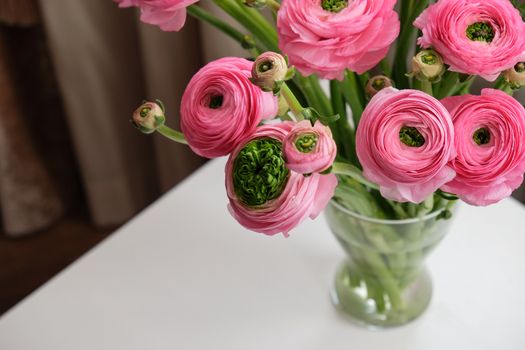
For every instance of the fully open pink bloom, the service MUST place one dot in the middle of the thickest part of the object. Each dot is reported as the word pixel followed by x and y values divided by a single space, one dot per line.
pixel 323 42
pixel 169 15
pixel 474 37
pixel 220 107
pixel 406 172
pixel 309 149
pixel 300 198
pixel 490 141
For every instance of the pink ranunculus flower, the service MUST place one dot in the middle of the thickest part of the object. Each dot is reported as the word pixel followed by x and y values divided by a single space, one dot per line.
pixel 169 15
pixel 474 37
pixel 309 149
pixel 220 107
pixel 324 37
pixel 490 144
pixel 404 141
pixel 265 196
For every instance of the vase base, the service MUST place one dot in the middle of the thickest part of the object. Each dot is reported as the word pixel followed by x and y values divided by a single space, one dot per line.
pixel 375 303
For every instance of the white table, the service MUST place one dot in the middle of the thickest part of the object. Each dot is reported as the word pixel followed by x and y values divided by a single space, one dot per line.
pixel 184 275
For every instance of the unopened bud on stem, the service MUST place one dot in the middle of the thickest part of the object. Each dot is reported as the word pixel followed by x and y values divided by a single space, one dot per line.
pixel 269 71
pixel 515 76
pixel 149 117
pixel 427 65
pixel 376 84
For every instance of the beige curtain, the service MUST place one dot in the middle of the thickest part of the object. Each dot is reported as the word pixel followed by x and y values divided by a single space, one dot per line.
pixel 28 197
pixel 107 63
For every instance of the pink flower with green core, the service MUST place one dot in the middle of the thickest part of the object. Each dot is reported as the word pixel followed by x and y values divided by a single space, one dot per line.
pixel 169 15
pixel 267 197
pixel 474 37
pixel 309 149
pixel 404 141
pixel 490 144
pixel 325 37
pixel 220 107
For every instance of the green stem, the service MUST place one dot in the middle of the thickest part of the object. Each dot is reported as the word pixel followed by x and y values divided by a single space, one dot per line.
pixel 274 5
pixel 171 134
pixel 425 207
pixel 311 94
pixel 502 85
pixel 385 67
pixel 293 103
pixel 398 209
pixel 447 85
pixel 243 39
pixel 253 21
pixel 343 135
pixel 464 87
pixel 325 107
pixel 426 86
pixel 404 43
pixel 352 171
pixel 351 90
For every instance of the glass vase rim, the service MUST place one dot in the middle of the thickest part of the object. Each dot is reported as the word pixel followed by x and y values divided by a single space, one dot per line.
pixel 347 211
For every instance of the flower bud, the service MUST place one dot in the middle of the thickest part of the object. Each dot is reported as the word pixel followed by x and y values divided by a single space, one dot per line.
pixel 427 65
pixel 515 76
pixel 258 4
pixel 376 84
pixel 309 149
pixel 269 71
pixel 149 117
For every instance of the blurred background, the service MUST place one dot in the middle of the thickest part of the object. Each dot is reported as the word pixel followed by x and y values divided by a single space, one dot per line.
pixel 72 168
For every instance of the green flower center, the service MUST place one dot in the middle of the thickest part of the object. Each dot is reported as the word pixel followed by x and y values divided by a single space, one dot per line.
pixel 259 172
pixel 520 67
pixel 144 111
pixel 306 143
pixel 265 66
pixel 334 5
pixel 411 137
pixel 429 58
pixel 216 101
pixel 378 84
pixel 481 136
pixel 480 31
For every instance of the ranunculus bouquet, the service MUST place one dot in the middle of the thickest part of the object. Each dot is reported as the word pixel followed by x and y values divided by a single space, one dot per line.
pixel 321 115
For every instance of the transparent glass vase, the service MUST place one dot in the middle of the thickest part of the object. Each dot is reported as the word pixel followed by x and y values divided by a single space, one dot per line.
pixel 383 281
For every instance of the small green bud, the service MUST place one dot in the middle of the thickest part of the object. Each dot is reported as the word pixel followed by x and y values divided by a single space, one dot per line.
pixel 148 117
pixel 269 71
pixel 376 84
pixel 427 65
pixel 515 76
